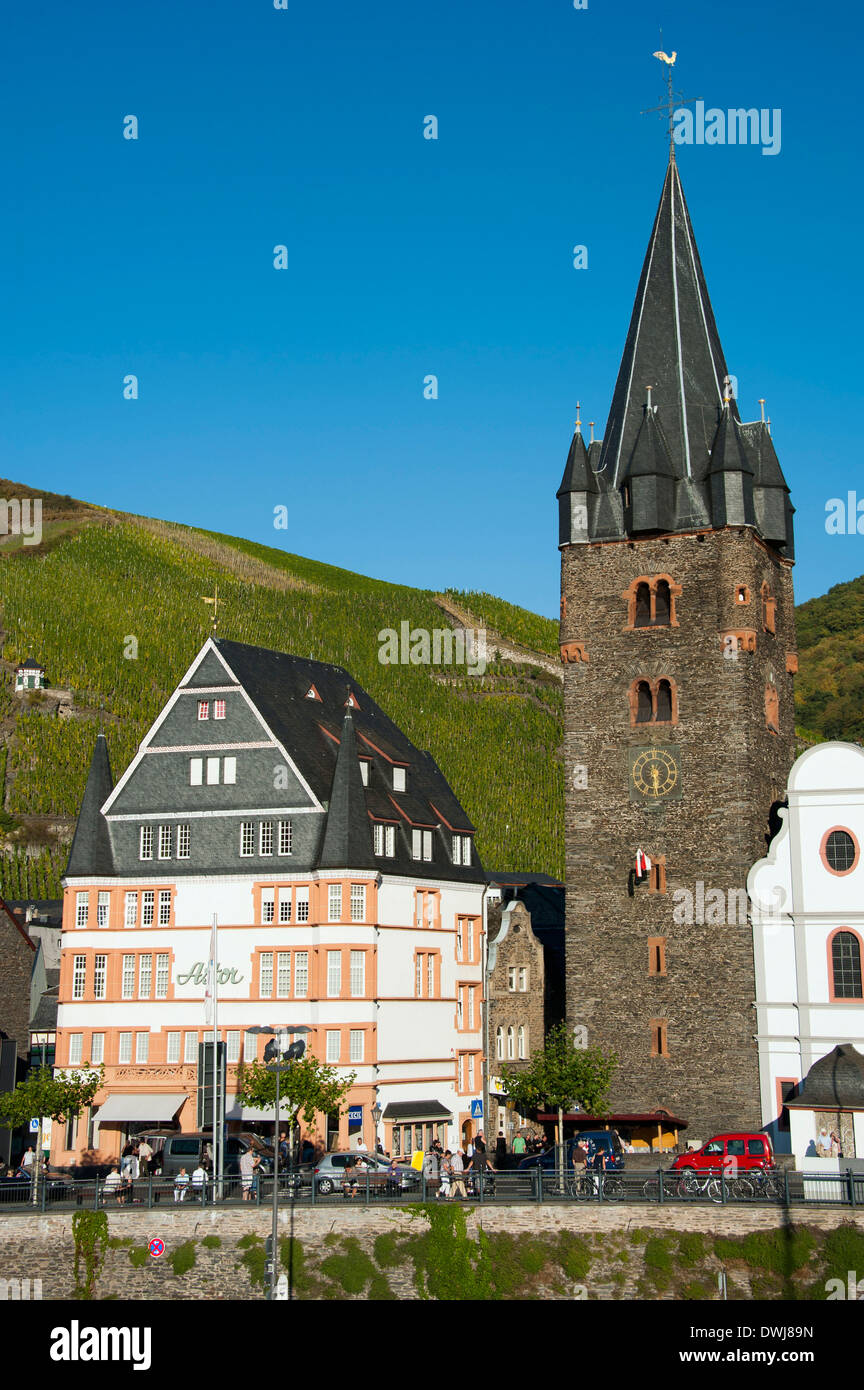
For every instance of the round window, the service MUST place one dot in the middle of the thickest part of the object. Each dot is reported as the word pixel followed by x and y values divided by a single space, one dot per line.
pixel 840 851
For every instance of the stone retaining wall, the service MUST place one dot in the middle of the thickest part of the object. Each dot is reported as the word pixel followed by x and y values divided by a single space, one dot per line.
pixel 42 1247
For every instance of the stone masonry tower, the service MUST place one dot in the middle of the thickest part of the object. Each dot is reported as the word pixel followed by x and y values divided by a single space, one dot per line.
pixel 677 630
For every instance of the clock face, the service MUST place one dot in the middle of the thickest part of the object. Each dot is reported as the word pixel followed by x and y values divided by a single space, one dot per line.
pixel 655 773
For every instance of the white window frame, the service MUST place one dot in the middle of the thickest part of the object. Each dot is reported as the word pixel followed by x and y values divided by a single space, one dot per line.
pixel 334 974
pixel 268 905
pixel 142 1048
pixel 164 918
pixel 145 976
pixel 203 710
pixel 286 837
pixel 523 979
pixel 285 905
pixel 334 1045
pixel 196 772
pixel 364 771
pixel 427 846
pixel 145 842
pixel 183 840
pixel 358 902
pixel 265 838
pixel 334 902
pixel 130 910
pixel 283 974
pixel 355 1045
pixel 76 1042
pixel 100 976
pixel 127 983
pixel 378 839
pixel 82 909
pixel 460 938
pixel 229 772
pixel 162 974
pixel 499 1044
pixel 521 1045
pixel 190 1047
pixel 357 974
pixel 389 842
pixel 213 765
pixel 265 974
pixel 173 1047
pixel 301 974
pixel 218 709
pixel 103 909
pixel 398 779
pixel 165 838
pixel 511 978
pixel 124 1049
pixel 97 1048
pixel 148 907
pixel 247 839
pixel 302 900
pixel 232 1046
pixel 79 976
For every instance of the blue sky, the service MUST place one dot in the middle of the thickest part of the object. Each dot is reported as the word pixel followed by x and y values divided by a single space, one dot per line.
pixel 303 388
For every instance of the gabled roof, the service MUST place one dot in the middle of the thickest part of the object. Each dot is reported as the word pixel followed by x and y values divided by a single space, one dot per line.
pixel 31 665
pixel 314 734
pixel 91 852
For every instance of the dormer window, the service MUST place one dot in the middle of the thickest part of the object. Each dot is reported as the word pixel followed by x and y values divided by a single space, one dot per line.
pixel 203 709
pixel 398 779
pixel 421 844
pixel 462 849
pixel 364 771
pixel 312 693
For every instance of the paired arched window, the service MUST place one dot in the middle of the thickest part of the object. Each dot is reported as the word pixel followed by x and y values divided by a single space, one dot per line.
pixel 651 601
pixel 499 1044
pixel 511 1043
pixel 653 702
pixel 846 966
pixel 521 1043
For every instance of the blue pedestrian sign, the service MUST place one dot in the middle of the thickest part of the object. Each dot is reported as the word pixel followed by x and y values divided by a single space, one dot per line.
pixel 476 1110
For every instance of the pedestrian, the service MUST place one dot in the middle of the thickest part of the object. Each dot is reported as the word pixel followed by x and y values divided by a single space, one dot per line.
pixel 431 1168
pixel 446 1174
pixel 181 1183
pixel 307 1151
pixel 457 1168
pixel 480 1143
pixel 199 1181
pixel 28 1159
pixel 247 1168
pixel 350 1186
pixel 145 1154
pixel 126 1160
pixel 519 1145
pixel 113 1184
pixel 283 1149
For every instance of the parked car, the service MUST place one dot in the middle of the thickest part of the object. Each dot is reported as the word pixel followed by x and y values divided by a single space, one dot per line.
pixel 594 1140
pixel 730 1151
pixel 173 1151
pixel 330 1173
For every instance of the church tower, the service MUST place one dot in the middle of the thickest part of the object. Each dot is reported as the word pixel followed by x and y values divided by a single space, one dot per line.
pixel 677 633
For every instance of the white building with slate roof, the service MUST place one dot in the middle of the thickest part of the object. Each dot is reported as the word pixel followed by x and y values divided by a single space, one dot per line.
pixel 273 792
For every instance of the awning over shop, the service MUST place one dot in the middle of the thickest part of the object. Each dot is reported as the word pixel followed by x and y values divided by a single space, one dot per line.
pixel 120 1109
pixel 400 1111
pixel 252 1112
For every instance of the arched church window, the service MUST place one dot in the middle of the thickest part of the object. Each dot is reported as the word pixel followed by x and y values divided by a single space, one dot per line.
pixel 643 606
pixel 846 965
pixel 662 604
pixel 664 703
pixel 644 703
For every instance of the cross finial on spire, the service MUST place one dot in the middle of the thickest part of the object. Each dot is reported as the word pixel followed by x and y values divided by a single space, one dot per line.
pixel 591 428
pixel 578 425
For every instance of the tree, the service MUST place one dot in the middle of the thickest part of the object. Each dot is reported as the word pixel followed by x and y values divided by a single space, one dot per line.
pixel 307 1087
pixel 43 1095
pixel 561 1075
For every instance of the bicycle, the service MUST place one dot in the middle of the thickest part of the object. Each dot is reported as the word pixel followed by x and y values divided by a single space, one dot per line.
pixel 767 1183
pixel 691 1187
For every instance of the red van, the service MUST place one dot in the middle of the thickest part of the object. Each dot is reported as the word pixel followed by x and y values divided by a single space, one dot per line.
pixel 729 1151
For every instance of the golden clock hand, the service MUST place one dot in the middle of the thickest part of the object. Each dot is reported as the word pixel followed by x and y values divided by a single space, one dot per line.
pixel 655 778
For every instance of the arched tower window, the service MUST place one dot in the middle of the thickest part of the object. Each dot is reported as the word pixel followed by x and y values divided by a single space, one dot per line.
pixel 643 606
pixel 644 703
pixel 772 709
pixel 664 703
pixel 662 603
pixel 846 965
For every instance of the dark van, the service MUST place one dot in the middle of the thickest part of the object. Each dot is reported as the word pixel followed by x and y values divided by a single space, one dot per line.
pixel 594 1140
pixel 171 1152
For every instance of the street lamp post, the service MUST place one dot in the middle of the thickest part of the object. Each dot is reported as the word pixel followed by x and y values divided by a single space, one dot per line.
pixel 376 1120
pixel 274 1056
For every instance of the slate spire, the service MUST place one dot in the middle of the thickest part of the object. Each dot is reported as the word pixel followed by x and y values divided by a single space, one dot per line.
pixel 673 346
pixel 91 851
pixel 348 836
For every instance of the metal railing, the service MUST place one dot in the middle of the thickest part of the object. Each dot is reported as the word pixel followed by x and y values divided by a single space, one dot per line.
pixel 303 1187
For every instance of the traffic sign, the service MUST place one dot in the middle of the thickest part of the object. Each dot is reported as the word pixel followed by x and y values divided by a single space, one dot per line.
pixel 34 1126
pixel 156 1247
pixel 476 1110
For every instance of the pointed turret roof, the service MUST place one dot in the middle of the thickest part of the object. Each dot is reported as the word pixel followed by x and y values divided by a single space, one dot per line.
pixel 348 836
pixel 579 476
pixel 672 345
pixel 91 846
